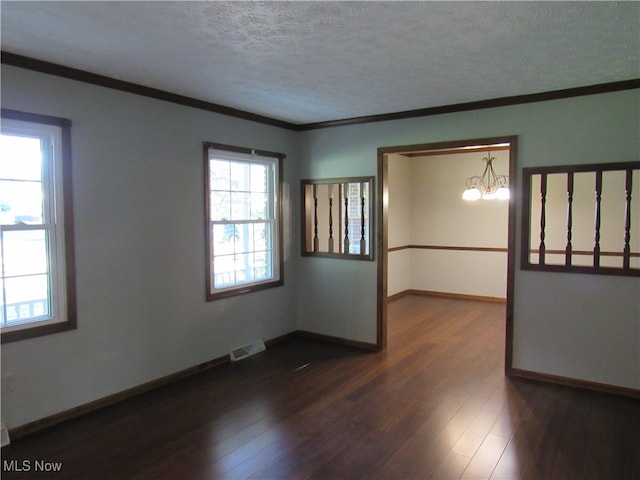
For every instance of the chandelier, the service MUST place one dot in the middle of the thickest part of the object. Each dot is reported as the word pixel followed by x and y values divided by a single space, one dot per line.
pixel 489 185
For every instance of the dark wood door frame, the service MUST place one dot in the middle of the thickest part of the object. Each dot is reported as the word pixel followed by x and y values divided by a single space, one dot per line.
pixel 382 205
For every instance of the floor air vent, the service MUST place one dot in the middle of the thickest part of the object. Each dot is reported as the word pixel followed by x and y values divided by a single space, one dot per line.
pixel 247 350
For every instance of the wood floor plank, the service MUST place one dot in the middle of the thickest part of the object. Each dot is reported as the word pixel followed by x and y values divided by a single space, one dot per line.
pixel 486 458
pixel 508 467
pixel 451 468
pixel 475 435
pixel 435 404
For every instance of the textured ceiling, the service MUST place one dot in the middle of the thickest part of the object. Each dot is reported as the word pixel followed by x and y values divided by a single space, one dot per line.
pixel 306 62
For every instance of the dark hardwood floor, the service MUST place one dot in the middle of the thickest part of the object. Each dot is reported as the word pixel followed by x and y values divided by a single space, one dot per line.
pixel 436 404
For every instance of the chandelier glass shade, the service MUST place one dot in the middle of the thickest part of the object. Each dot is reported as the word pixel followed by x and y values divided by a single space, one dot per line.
pixel 489 185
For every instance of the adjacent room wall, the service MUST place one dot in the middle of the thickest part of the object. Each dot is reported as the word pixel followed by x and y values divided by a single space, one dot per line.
pixel 429 211
pixel 140 254
pixel 400 219
pixel 573 325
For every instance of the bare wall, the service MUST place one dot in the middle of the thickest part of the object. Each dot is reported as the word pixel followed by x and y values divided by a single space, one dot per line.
pixel 426 207
pixel 140 254
pixel 581 326
pixel 140 243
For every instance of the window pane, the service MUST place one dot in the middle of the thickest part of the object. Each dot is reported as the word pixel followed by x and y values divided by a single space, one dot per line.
pixel 262 262
pixel 25 252
pixel 20 158
pixel 220 205
pixel 27 297
pixel 261 236
pixel 223 271
pixel 244 242
pixel 259 203
pixel 244 267
pixel 259 178
pixel 20 201
pixel 219 175
pixel 240 176
pixel 224 238
pixel 240 202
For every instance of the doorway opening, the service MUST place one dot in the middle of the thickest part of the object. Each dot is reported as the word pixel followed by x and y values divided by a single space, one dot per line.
pixel 508 145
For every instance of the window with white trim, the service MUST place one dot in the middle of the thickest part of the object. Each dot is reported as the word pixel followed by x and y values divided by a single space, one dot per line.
pixel 36 246
pixel 243 220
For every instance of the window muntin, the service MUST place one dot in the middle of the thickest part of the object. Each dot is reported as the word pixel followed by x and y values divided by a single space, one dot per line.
pixel 244 247
pixel 36 288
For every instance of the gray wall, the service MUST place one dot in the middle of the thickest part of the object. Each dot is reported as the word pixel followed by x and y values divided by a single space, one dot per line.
pixel 581 326
pixel 140 254
pixel 140 243
pixel 426 208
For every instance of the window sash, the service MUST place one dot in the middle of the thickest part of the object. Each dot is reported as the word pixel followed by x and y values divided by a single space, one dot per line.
pixel 236 255
pixel 56 312
pixel 25 312
pixel 244 261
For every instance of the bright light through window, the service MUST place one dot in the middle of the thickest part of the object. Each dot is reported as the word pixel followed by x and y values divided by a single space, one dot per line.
pixel 243 220
pixel 33 257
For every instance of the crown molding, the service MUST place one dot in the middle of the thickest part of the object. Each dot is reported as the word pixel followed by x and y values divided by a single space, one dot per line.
pixel 124 86
pixel 50 68
pixel 482 104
